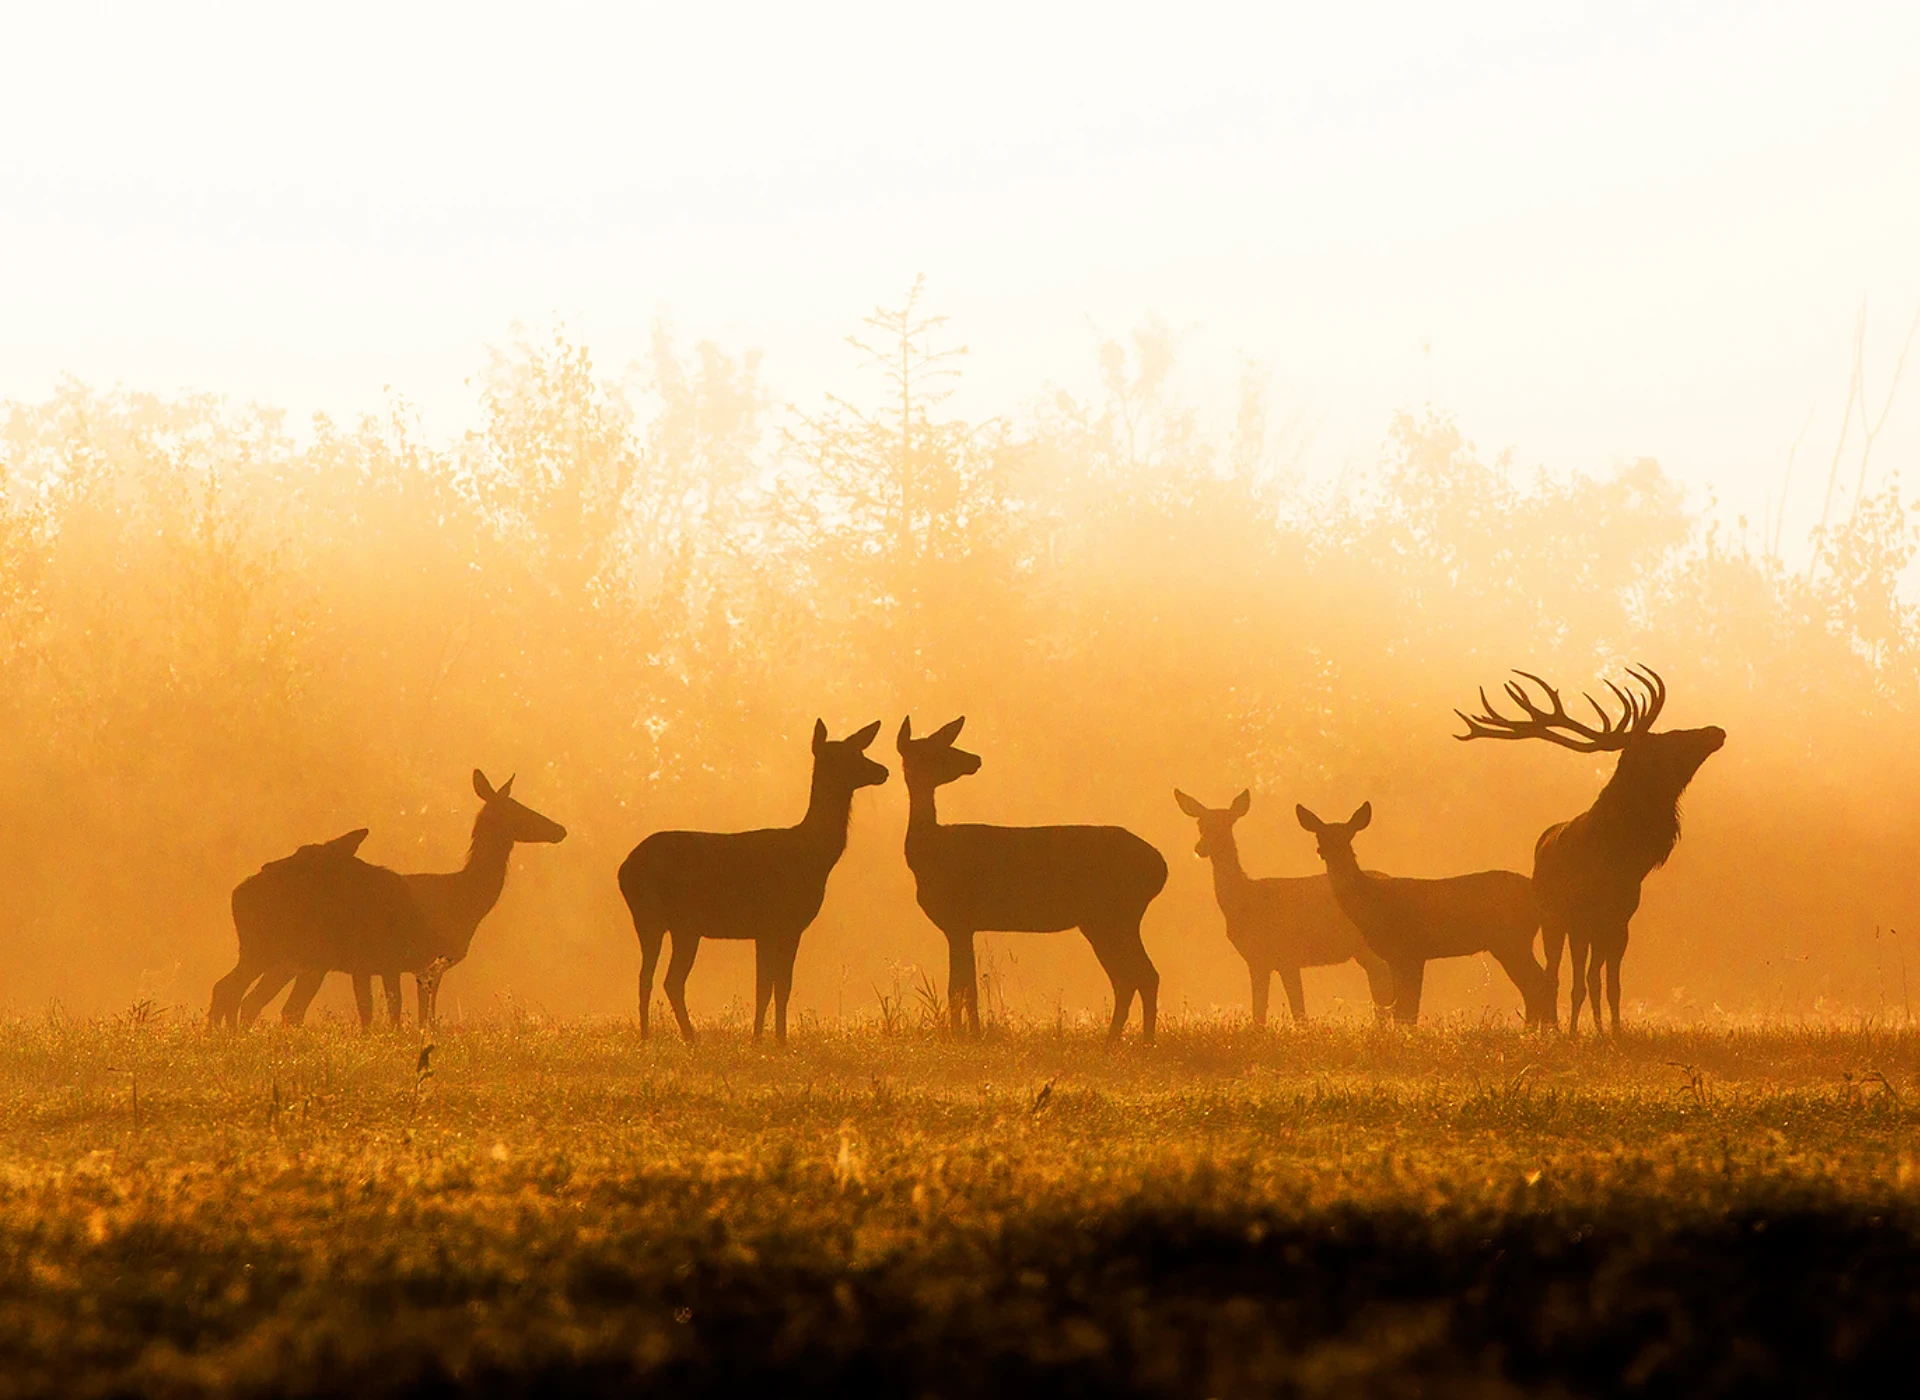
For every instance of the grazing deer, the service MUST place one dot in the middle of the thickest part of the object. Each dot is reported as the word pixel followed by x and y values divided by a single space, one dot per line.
pixel 321 902
pixel 452 905
pixel 1027 879
pixel 1277 924
pixel 1587 872
pixel 765 885
pixel 1409 922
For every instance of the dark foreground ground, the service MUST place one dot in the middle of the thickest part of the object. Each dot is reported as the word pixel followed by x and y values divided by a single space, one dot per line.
pixel 1320 1212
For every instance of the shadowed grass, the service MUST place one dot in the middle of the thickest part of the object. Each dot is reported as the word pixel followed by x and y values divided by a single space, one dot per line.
pixel 1234 1212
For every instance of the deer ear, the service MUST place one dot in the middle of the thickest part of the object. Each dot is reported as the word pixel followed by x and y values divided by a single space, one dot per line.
pixel 1188 805
pixel 905 736
pixel 505 788
pixel 482 789
pixel 1241 804
pixel 819 735
pixel 1308 819
pixel 1362 817
pixel 949 731
pixel 863 737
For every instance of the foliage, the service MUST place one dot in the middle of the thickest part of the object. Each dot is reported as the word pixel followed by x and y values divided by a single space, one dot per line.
pixel 220 637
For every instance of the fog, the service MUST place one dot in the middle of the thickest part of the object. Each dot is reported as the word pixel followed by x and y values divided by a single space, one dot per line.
pixel 399 397
pixel 638 598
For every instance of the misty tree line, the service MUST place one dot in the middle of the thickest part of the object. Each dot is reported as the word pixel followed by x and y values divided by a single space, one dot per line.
pixel 219 638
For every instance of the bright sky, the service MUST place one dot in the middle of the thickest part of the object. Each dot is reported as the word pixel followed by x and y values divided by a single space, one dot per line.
pixel 1593 232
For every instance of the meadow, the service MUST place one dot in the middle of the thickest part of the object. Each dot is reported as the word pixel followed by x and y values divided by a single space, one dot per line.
pixel 1314 1210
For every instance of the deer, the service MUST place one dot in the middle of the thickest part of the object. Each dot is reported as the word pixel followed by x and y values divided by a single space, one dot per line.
pixel 1280 925
pixel 1026 879
pixel 322 902
pixel 1409 922
pixel 1587 872
pixel 766 885
pixel 451 903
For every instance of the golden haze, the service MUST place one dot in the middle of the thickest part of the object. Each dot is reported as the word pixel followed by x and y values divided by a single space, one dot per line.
pixel 222 635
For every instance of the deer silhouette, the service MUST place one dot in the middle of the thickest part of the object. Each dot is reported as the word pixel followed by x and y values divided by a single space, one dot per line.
pixel 321 902
pixel 1026 879
pixel 1587 872
pixel 765 885
pixel 451 904
pixel 1409 922
pixel 1280 925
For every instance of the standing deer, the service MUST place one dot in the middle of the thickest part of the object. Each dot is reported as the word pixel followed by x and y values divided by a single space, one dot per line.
pixel 1587 872
pixel 1277 924
pixel 765 885
pixel 1409 922
pixel 321 902
pixel 1027 879
pixel 452 905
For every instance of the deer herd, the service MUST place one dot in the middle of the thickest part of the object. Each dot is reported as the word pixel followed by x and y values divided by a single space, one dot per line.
pixel 323 909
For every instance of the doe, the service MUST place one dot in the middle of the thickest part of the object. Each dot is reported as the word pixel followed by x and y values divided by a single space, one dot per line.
pixel 764 885
pixel 1026 879
pixel 1408 922
pixel 1280 924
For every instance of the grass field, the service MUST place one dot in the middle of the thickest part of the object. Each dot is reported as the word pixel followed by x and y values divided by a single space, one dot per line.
pixel 1316 1211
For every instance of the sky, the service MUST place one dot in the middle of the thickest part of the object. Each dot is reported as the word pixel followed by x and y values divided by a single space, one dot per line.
pixel 1591 232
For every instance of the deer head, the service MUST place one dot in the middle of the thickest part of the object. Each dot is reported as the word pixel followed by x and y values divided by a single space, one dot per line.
pixel 1216 823
pixel 1661 764
pixel 503 818
pixel 933 761
pixel 1336 838
pixel 843 763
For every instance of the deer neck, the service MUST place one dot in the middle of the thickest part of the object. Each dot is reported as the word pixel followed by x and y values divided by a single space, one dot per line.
pixel 472 891
pixel 1351 885
pixel 829 810
pixel 921 813
pixel 1230 881
pixel 1637 819
pixel 923 822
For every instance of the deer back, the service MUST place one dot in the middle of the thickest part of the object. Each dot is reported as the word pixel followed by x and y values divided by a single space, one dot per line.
pixel 735 884
pixel 1403 917
pixel 1293 920
pixel 341 913
pixel 1033 878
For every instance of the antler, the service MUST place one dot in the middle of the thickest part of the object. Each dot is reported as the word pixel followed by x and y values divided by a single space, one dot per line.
pixel 1556 726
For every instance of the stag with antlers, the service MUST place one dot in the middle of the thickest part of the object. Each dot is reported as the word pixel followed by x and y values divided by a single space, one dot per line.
pixel 1587 872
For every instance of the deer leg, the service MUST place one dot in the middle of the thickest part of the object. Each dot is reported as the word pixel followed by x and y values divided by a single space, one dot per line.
pixel 1296 994
pixel 762 984
pixel 1123 991
pixel 1379 985
pixel 427 983
pixel 1407 980
pixel 1613 989
pixel 363 998
pixel 225 1010
pixel 1578 943
pixel 424 988
pixel 1130 970
pixel 305 989
pixel 1262 989
pixel 1596 965
pixel 391 982
pixel 1147 978
pixel 961 1005
pixel 1119 969
pixel 679 965
pixel 650 939
pixel 1553 941
pixel 264 991
pixel 782 989
pixel 1527 975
